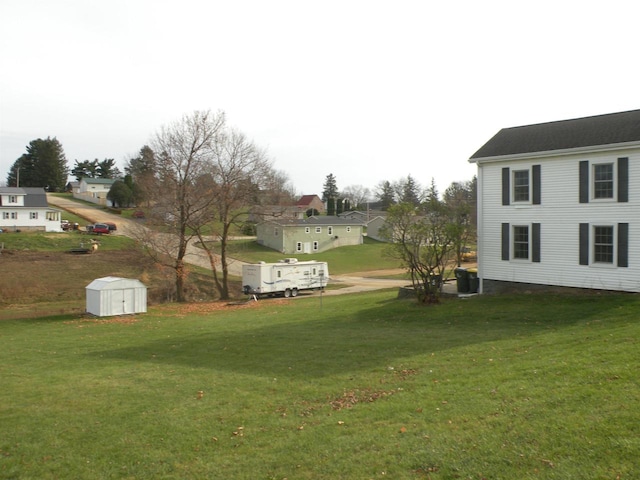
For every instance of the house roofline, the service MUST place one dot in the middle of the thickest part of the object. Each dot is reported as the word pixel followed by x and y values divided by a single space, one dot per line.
pixel 553 153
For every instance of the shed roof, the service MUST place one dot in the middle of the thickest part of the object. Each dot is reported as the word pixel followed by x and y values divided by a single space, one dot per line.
pixel 114 283
pixel 599 130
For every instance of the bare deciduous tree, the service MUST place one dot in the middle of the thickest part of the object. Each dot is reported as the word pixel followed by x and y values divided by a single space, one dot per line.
pixel 357 195
pixel 236 171
pixel 421 239
pixel 183 153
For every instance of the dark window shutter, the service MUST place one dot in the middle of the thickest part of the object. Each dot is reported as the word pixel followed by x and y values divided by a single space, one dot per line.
pixel 535 173
pixel 623 244
pixel 584 181
pixel 623 179
pixel 584 244
pixel 535 242
pixel 505 241
pixel 505 186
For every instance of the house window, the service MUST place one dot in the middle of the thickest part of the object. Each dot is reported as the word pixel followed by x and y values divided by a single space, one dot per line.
pixel 5 215
pixel 33 215
pixel 307 229
pixel 14 215
pixel 348 229
pixel 603 244
pixel 13 199
pixel 315 246
pixel 298 246
pixel 603 180
pixel 521 242
pixel 329 230
pixel 275 232
pixel 521 186
pixel 318 229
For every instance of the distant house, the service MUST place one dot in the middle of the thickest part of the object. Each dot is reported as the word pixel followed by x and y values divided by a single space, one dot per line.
pixel 374 226
pixel 311 202
pixel 309 235
pixel 559 205
pixel 94 190
pixel 26 209
pixel 73 187
pixel 372 221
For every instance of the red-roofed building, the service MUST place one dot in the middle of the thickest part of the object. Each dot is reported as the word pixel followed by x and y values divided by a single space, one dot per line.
pixel 307 202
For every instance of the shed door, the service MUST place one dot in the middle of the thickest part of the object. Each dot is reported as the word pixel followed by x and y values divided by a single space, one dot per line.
pixel 128 301
pixel 122 301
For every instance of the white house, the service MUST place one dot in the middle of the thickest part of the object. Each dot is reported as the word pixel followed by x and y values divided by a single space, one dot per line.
pixel 94 190
pixel 26 209
pixel 559 205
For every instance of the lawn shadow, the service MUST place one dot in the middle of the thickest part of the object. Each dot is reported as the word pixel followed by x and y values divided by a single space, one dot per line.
pixel 373 337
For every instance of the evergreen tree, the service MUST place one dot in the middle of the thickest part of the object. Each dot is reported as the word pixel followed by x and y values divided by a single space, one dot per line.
pixel 411 192
pixel 85 169
pixel 331 206
pixel 44 165
pixel 330 188
pixel 120 194
pixel 386 194
pixel 142 172
pixel 107 169
pixel 432 196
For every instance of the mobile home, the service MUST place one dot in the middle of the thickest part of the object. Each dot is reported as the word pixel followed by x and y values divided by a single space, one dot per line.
pixel 286 277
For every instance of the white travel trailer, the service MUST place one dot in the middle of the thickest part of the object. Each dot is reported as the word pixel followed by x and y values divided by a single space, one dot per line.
pixel 286 277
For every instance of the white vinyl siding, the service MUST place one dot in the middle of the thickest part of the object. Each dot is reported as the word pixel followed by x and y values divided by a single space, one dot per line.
pixel 559 215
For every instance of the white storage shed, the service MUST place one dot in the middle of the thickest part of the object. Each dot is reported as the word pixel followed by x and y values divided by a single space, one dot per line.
pixel 109 296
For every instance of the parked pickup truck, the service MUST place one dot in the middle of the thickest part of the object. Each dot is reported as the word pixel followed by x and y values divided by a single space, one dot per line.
pixel 100 228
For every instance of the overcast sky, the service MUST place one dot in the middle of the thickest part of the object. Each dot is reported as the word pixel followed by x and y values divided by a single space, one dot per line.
pixel 366 90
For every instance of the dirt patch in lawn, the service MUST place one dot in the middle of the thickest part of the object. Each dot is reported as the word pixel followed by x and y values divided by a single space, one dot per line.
pixel 36 283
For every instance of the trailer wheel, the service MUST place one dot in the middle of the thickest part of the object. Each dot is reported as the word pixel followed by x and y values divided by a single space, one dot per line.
pixel 287 293
pixel 294 292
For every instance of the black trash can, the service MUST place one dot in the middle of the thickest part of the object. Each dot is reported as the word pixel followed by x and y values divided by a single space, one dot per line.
pixel 462 279
pixel 474 282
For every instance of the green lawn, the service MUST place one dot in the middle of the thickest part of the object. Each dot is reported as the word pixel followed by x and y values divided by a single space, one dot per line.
pixel 371 255
pixel 358 386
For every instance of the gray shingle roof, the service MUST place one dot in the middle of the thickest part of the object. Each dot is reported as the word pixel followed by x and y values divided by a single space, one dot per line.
pixel 609 129
pixel 36 197
pixel 309 221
